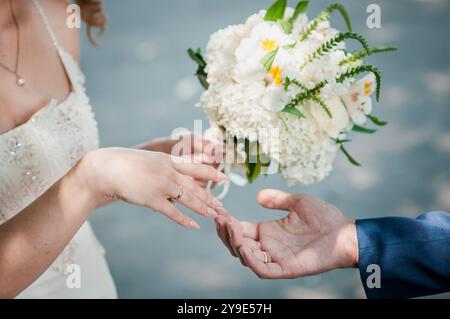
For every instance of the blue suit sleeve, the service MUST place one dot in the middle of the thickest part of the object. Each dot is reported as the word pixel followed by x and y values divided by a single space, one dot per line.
pixel 413 255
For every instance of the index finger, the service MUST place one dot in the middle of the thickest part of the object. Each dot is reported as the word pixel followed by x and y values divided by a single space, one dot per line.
pixel 222 232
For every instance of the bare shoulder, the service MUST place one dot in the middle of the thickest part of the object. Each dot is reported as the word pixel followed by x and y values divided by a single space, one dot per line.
pixel 58 13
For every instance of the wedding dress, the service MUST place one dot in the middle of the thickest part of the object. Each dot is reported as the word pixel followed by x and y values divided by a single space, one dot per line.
pixel 35 155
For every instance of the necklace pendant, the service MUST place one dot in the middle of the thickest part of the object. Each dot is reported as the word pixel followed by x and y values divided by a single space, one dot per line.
pixel 21 81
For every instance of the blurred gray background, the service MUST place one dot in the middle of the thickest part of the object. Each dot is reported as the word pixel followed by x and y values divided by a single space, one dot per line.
pixel 142 86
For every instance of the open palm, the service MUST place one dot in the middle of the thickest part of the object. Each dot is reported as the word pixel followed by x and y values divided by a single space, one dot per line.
pixel 314 237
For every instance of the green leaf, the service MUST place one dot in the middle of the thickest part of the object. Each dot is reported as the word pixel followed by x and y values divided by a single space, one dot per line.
pixel 289 46
pixel 203 79
pixel 287 83
pixel 346 153
pixel 349 157
pixel 302 6
pixel 285 26
pixel 276 11
pixel 338 141
pixel 197 57
pixel 253 163
pixel 253 171
pixel 362 129
pixel 375 120
pixel 268 59
pixel 201 73
pixel 293 111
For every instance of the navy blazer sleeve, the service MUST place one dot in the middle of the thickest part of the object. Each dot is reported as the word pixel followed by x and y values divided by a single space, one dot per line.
pixel 413 255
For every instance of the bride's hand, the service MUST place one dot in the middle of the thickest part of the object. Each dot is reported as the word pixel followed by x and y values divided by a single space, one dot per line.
pixel 191 146
pixel 149 179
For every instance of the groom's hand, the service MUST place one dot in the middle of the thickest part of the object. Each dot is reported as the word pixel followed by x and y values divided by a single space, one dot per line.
pixel 314 237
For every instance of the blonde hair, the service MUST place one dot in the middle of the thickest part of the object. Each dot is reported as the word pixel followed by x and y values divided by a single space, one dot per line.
pixel 94 15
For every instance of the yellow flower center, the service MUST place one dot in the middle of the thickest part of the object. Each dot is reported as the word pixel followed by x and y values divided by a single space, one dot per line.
pixel 367 88
pixel 269 45
pixel 277 74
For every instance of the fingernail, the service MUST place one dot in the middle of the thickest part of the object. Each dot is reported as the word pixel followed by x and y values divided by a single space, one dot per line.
pixel 221 176
pixel 217 202
pixel 212 212
pixel 194 224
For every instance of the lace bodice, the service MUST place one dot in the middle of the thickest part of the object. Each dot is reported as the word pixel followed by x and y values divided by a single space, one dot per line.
pixel 38 153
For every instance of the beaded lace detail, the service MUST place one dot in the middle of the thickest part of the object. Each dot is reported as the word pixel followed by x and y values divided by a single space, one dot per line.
pixel 35 155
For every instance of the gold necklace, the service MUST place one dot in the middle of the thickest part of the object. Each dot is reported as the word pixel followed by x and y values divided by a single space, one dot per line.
pixel 20 81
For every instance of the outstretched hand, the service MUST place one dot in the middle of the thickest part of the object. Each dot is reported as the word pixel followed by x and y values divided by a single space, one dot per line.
pixel 314 237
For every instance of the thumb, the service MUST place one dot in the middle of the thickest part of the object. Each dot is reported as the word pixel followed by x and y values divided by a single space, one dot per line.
pixel 276 199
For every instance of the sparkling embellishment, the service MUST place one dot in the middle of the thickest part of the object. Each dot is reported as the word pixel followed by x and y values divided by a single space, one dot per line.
pixel 21 81
pixel 29 161
pixel 16 148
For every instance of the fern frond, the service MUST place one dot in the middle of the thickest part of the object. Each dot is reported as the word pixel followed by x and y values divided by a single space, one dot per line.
pixel 288 82
pixel 313 25
pixel 359 38
pixel 289 108
pixel 364 53
pixel 308 95
pixel 361 69
pixel 324 16
pixel 333 43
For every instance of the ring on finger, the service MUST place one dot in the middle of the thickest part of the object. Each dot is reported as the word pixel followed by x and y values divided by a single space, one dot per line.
pixel 180 193
pixel 266 257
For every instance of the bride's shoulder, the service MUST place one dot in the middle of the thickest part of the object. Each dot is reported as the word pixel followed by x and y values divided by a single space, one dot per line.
pixel 60 18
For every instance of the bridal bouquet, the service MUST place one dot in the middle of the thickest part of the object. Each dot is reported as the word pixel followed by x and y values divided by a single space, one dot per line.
pixel 282 91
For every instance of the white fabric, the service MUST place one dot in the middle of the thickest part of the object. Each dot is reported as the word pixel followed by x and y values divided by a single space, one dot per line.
pixel 33 157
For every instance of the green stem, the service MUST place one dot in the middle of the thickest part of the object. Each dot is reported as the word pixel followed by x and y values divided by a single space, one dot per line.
pixel 318 100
